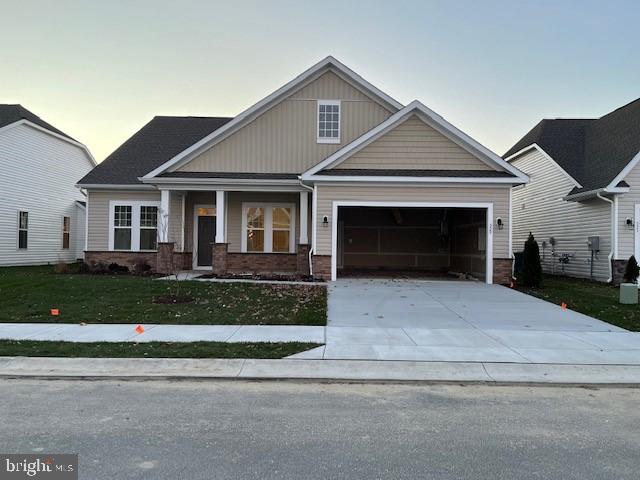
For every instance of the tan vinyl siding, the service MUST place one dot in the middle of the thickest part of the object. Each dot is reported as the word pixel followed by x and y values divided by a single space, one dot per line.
pixel 175 220
pixel 626 209
pixel 98 230
pixel 499 196
pixel 539 208
pixel 414 145
pixel 284 138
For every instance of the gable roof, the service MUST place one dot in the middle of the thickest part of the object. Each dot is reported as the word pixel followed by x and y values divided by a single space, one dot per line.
pixel 14 113
pixel 432 119
pixel 593 151
pixel 154 144
pixel 327 64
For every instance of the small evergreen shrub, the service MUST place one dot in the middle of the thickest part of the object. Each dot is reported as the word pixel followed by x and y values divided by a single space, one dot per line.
pixel 531 275
pixel 632 271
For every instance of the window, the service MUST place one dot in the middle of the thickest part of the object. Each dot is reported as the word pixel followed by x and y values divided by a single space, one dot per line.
pixel 268 228
pixel 23 229
pixel 328 121
pixel 134 225
pixel 66 229
pixel 148 228
pixel 122 227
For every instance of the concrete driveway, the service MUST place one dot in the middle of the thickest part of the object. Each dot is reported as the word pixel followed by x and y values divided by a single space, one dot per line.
pixel 378 319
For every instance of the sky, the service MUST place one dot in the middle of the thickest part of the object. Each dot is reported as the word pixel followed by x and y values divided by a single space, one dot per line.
pixel 100 70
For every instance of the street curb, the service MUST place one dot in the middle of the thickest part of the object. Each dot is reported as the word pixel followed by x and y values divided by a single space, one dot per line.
pixel 334 371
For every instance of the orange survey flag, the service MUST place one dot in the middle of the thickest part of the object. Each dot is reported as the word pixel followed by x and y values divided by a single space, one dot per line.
pixel 140 329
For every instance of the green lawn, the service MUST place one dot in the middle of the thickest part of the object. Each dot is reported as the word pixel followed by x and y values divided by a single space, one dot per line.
pixel 27 294
pixel 596 299
pixel 27 348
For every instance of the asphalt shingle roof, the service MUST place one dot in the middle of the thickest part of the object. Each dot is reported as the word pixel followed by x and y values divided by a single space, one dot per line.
pixel 153 145
pixel 593 151
pixel 12 113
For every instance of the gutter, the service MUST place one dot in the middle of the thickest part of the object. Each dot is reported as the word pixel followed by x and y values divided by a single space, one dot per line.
pixel 613 233
pixel 313 220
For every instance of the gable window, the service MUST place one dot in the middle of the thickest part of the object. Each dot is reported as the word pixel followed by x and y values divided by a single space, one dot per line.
pixel 328 121
pixel 133 225
pixel 23 229
pixel 268 228
pixel 66 232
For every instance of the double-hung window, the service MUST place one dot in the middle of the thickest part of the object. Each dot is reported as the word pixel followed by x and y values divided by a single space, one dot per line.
pixel 133 225
pixel 66 232
pixel 23 229
pixel 268 228
pixel 329 121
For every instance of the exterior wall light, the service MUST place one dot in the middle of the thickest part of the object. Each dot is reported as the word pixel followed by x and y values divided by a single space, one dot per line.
pixel 629 223
pixel 499 223
pixel 325 221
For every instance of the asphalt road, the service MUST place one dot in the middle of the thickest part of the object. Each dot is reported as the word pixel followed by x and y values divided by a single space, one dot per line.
pixel 207 430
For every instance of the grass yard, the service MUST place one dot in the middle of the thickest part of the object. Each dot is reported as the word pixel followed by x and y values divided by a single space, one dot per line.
pixel 27 294
pixel 26 348
pixel 596 299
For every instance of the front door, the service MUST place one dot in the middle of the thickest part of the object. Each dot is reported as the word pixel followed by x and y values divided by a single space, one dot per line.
pixel 206 237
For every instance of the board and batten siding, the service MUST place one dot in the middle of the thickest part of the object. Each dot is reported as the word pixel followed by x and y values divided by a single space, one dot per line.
pixel 284 138
pixel 626 209
pixel 413 145
pixel 499 196
pixel 98 206
pixel 539 208
pixel 39 172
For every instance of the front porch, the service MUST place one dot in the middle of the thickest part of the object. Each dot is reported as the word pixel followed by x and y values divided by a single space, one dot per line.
pixel 234 231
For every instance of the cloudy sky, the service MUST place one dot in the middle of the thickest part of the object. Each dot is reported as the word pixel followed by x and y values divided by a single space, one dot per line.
pixel 99 70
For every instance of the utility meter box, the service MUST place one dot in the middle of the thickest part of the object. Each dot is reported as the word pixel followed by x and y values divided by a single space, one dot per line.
pixel 593 243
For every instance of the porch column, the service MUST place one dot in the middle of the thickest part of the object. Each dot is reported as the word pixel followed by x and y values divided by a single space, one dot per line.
pixel 220 214
pixel 163 231
pixel 304 207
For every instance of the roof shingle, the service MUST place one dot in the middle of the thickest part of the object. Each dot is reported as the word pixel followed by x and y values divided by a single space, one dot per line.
pixel 13 113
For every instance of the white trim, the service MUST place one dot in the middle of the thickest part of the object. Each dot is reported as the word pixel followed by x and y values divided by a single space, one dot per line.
pixel 268 225
pixel 163 216
pixel 53 134
pixel 535 146
pixel 304 221
pixel 135 222
pixel 314 217
pixel 220 223
pixel 625 171
pixel 636 226
pixel 86 225
pixel 108 186
pixel 394 179
pixel 576 197
pixel 218 181
pixel 616 227
pixel 319 139
pixel 194 246
pixel 511 255
pixel 18 229
pixel 183 220
pixel 432 119
pixel 264 104
pixel 62 247
pixel 359 203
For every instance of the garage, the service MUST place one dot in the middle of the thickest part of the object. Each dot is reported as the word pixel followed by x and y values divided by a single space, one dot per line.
pixel 423 242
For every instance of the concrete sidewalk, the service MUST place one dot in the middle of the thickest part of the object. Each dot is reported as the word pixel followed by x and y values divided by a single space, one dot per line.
pixel 318 370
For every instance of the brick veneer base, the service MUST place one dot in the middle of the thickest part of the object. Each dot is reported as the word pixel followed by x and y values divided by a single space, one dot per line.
pixel 322 266
pixel 122 258
pixel 220 258
pixel 165 262
pixel 262 262
pixel 617 269
pixel 303 259
pixel 502 270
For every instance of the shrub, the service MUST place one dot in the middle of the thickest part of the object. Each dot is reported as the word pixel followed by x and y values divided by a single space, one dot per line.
pixel 117 268
pixel 99 268
pixel 632 271
pixel 531 275
pixel 141 267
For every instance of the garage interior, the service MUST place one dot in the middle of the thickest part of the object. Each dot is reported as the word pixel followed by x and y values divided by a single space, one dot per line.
pixel 412 242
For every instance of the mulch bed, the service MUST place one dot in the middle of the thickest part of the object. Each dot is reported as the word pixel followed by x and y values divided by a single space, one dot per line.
pixel 265 276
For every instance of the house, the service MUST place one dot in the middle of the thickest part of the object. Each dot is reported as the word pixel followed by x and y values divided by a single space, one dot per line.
pixel 42 213
pixel 327 175
pixel 583 198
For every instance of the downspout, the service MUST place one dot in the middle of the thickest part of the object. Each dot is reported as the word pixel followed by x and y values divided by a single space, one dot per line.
pixel 313 200
pixel 613 233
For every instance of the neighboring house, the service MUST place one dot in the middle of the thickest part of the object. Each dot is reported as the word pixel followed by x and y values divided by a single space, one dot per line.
pixel 585 183
pixel 42 213
pixel 327 173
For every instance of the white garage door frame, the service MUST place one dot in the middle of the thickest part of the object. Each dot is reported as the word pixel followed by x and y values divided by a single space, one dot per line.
pixel 336 204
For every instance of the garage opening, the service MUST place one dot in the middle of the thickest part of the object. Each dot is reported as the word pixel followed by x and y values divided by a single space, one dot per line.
pixel 412 241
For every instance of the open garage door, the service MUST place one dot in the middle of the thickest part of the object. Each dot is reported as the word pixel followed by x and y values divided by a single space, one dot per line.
pixel 430 242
